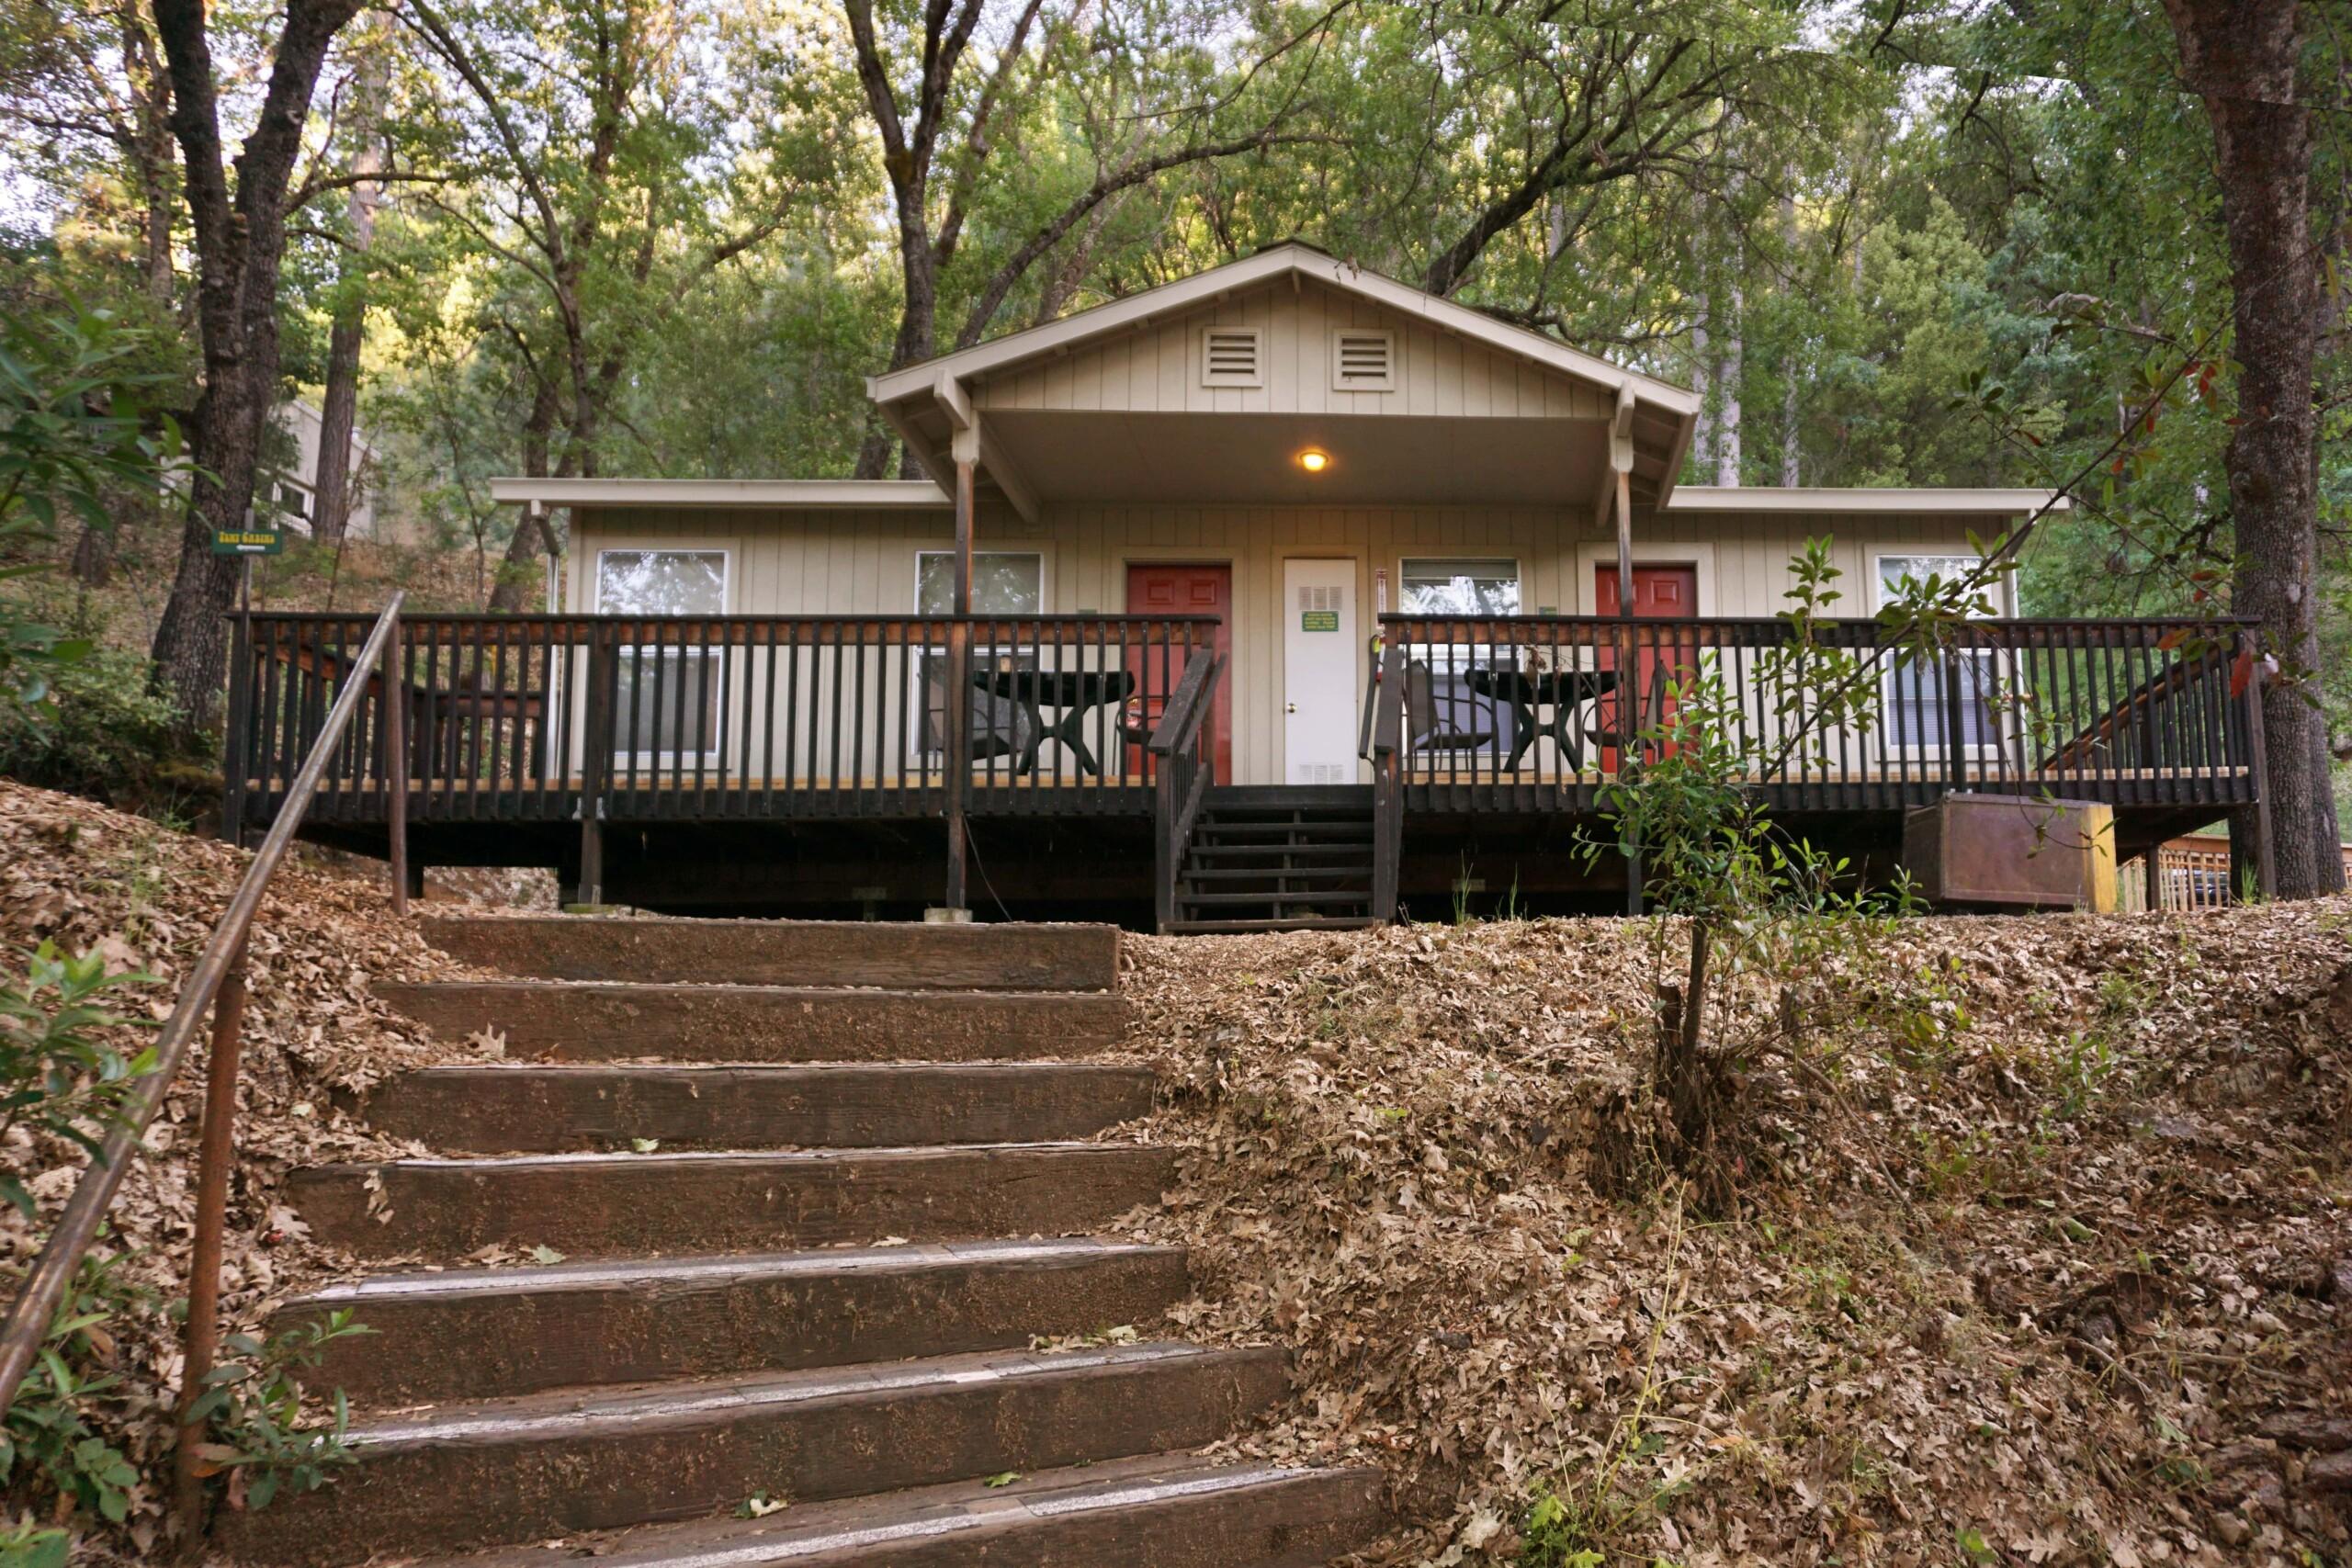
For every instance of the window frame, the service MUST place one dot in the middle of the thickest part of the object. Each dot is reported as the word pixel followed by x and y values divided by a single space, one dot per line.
pixel 1927 747
pixel 716 716
pixel 1457 660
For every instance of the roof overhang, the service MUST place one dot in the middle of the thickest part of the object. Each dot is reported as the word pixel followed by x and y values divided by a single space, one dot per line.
pixel 798 495
pixel 929 405
pixel 1916 503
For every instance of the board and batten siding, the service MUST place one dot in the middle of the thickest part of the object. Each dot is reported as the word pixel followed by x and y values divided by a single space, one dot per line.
pixel 862 562
pixel 1158 367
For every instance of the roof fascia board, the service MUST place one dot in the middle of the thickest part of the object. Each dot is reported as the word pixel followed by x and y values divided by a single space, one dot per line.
pixel 718 493
pixel 1774 498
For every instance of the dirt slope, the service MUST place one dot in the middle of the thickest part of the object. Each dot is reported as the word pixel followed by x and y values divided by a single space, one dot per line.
pixel 2046 1254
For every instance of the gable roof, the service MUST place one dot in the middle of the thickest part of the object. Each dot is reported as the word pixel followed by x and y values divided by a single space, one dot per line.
pixel 1290 257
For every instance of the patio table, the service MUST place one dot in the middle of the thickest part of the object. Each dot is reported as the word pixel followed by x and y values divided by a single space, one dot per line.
pixel 1076 693
pixel 1565 691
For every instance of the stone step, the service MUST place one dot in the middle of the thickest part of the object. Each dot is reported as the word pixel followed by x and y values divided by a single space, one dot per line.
pixel 603 1021
pixel 1158 1511
pixel 475 1333
pixel 513 1471
pixel 899 955
pixel 514 1107
pixel 662 1204
pixel 1291 923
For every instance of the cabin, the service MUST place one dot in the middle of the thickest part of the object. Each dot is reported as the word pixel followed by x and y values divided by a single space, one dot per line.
pixel 1284 594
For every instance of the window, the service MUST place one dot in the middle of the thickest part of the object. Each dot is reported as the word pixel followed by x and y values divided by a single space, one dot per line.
pixel 1914 694
pixel 1004 582
pixel 1460 588
pixel 1230 356
pixel 1363 361
pixel 668 700
pixel 1445 706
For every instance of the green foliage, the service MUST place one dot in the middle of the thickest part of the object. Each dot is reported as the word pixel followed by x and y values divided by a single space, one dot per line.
pixel 1553 1534
pixel 26 1544
pixel 48 1446
pixel 253 1404
pixel 73 428
pixel 57 1076
pixel 106 735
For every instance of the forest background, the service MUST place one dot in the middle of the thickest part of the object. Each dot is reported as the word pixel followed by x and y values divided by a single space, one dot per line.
pixel 1894 243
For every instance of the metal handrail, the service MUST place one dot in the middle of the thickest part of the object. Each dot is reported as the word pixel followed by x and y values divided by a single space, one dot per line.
pixel 218 979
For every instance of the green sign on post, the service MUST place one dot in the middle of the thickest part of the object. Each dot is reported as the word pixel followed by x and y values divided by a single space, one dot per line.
pixel 248 541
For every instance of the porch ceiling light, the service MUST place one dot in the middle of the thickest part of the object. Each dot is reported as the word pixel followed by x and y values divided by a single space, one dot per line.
pixel 1315 459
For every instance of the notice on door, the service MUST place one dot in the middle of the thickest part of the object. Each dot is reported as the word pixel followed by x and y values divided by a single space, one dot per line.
pixel 1318 620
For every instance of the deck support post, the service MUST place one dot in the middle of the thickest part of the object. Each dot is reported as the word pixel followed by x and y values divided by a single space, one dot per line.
pixel 237 760
pixel 959 675
pixel 1390 741
pixel 2250 845
pixel 1621 458
pixel 391 683
pixel 595 759
pixel 2155 872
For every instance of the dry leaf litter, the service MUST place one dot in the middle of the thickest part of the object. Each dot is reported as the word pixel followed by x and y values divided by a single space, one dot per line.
pixel 2050 1263
pixel 2047 1258
pixel 88 877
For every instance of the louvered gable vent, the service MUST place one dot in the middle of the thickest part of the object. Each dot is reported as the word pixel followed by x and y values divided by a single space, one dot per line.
pixel 1364 360
pixel 1232 356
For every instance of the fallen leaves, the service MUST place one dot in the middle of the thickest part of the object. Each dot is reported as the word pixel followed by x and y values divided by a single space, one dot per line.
pixel 2052 1219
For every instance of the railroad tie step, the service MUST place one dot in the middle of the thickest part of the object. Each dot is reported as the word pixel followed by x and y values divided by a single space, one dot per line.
pixel 608 1021
pixel 900 956
pixel 511 1472
pixel 514 1107
pixel 674 1203
pixel 477 1333
pixel 1157 1511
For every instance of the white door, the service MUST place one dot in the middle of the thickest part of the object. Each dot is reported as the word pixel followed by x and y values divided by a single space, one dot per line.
pixel 1320 671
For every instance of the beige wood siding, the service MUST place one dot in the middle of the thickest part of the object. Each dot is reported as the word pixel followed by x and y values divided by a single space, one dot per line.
pixel 863 562
pixel 1158 368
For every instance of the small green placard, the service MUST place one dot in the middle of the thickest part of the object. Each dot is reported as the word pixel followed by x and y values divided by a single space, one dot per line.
pixel 248 542
pixel 1318 620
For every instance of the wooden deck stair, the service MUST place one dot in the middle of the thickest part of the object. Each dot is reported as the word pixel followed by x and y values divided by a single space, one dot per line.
pixel 1278 861
pixel 806 1248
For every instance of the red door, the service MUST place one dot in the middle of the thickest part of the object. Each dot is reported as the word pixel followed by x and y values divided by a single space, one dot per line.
pixel 1663 593
pixel 1158 589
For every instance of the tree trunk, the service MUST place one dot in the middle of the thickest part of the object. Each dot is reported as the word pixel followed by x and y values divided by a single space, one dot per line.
pixel 918 330
pixel 506 591
pixel 239 244
pixel 1703 381
pixel 1791 448
pixel 1727 412
pixel 150 106
pixel 2242 60
pixel 339 409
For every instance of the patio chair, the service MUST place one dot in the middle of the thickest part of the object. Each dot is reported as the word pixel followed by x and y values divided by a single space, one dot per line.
pixel 1433 725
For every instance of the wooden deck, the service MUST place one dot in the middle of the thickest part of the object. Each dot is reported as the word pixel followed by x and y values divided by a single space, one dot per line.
pixel 531 736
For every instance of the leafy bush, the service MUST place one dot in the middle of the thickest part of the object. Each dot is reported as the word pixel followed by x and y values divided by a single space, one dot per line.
pixel 105 735
pixel 46 1444
pixel 72 426
pixel 255 1405
pixel 56 1074
pixel 26 1544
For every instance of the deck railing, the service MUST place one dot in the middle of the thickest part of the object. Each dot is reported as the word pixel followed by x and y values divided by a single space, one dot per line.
pixel 1536 710
pixel 526 718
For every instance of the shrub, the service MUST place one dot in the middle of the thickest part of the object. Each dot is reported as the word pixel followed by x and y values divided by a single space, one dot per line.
pixel 58 1075
pixel 252 1403
pixel 105 735
pixel 46 1444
